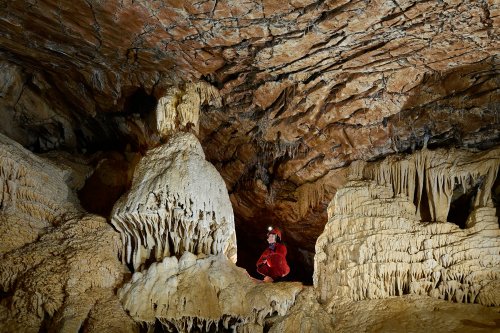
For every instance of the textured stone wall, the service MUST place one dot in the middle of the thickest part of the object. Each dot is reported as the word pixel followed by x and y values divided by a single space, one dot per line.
pixel 376 246
pixel 59 266
pixel 35 193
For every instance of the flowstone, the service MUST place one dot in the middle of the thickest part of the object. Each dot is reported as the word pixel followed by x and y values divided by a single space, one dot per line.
pixel 375 245
pixel 178 202
pixel 205 293
pixel 64 277
pixel 35 193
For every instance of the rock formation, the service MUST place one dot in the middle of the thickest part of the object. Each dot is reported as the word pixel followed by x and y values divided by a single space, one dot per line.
pixel 205 293
pixel 178 202
pixel 375 244
pixel 59 266
pixel 181 109
pixel 390 107
pixel 60 281
pixel 34 192
pixel 408 313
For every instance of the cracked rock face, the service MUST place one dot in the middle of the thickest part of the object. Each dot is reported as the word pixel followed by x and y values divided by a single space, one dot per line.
pixel 306 87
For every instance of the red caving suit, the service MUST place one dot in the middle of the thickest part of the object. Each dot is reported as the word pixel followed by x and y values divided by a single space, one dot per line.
pixel 272 262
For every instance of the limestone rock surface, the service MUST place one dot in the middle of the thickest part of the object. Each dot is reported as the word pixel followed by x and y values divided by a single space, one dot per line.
pixel 375 244
pixel 415 314
pixel 409 313
pixel 283 97
pixel 178 202
pixel 35 193
pixel 303 88
pixel 205 293
pixel 67 275
pixel 58 265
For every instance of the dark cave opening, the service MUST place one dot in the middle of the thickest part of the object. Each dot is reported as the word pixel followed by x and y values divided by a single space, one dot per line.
pixel 140 102
pixel 111 178
pixel 462 204
pixel 495 194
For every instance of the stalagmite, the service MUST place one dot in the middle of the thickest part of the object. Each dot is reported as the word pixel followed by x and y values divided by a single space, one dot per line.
pixel 209 292
pixel 178 202
pixel 375 245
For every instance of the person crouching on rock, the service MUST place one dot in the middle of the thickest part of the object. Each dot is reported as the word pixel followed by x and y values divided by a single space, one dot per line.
pixel 272 263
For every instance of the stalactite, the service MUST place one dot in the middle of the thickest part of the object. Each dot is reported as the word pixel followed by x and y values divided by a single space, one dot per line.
pixel 280 148
pixel 375 246
pixel 310 195
pixel 180 108
pixel 437 173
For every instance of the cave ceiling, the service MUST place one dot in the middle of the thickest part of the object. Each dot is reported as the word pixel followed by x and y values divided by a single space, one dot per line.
pixel 307 86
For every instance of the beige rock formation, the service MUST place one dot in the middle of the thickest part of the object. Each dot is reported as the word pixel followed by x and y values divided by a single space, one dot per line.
pixel 376 246
pixel 438 174
pixel 307 315
pixel 180 109
pixel 306 87
pixel 415 314
pixel 178 202
pixel 205 293
pixel 64 277
pixel 58 265
pixel 283 96
pixel 35 194
pixel 408 313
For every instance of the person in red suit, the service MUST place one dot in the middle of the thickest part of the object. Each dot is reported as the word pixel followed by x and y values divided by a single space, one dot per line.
pixel 272 263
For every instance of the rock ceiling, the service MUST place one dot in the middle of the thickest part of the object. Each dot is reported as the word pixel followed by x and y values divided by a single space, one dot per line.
pixel 307 87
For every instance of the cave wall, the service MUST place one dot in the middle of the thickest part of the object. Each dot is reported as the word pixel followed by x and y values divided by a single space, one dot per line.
pixel 374 247
pixel 376 243
pixel 282 97
pixel 59 265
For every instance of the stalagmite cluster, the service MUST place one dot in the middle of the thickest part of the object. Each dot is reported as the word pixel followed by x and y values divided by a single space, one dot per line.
pixel 178 202
pixel 375 244
pixel 204 293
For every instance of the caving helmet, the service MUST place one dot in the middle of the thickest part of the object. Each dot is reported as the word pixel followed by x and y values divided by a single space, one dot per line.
pixel 276 231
